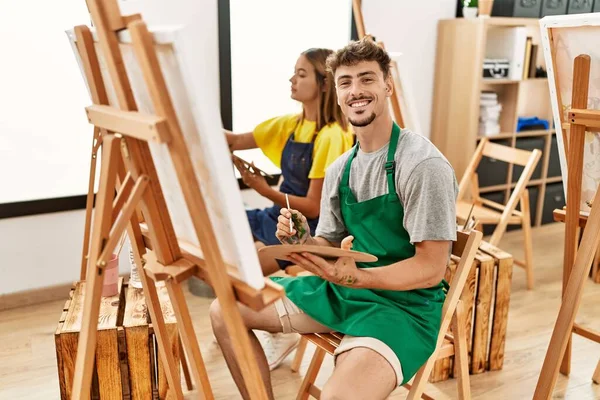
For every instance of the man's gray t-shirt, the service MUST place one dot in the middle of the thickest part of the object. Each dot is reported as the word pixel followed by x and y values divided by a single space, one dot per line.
pixel 425 183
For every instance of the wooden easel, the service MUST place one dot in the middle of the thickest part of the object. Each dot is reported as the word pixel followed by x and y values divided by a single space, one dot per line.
pixel 127 164
pixel 360 27
pixel 577 261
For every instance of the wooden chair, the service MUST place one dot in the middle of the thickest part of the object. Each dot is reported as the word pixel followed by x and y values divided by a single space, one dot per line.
pixel 489 212
pixel 463 252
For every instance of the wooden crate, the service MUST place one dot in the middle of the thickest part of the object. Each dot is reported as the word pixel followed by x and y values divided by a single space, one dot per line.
pixel 126 364
pixel 142 349
pixel 487 297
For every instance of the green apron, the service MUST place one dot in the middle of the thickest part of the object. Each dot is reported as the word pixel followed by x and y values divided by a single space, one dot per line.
pixel 407 321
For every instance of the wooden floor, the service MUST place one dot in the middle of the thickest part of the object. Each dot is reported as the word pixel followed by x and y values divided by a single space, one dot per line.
pixel 28 364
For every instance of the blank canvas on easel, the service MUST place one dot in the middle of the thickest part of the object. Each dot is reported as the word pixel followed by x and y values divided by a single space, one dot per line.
pixel 565 37
pixel 404 93
pixel 204 138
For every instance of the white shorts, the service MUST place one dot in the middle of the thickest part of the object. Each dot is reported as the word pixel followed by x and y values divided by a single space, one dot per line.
pixel 295 320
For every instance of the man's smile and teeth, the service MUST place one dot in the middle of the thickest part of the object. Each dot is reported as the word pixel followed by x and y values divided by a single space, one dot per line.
pixel 359 105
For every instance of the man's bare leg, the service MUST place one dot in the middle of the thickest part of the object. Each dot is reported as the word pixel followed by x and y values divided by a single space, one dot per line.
pixel 267 320
pixel 360 373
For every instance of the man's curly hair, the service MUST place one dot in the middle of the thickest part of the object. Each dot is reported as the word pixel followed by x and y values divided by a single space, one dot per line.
pixel 363 50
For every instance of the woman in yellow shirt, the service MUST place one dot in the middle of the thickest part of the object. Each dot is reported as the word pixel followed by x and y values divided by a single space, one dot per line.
pixel 302 146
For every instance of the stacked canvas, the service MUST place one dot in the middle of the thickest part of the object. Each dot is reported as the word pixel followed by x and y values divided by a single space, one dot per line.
pixel 489 114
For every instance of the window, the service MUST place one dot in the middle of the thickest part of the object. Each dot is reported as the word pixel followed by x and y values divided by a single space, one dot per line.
pixel 45 138
pixel 267 36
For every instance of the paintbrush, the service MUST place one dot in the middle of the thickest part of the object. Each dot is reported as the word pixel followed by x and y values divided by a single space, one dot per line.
pixel 468 219
pixel 288 207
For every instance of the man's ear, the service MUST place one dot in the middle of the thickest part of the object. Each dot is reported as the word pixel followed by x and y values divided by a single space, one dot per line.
pixel 389 85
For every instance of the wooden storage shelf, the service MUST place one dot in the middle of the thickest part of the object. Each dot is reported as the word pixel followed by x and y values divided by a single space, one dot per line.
pixel 501 135
pixel 509 21
pixel 461 49
pixel 497 81
pixel 532 133
pixel 522 134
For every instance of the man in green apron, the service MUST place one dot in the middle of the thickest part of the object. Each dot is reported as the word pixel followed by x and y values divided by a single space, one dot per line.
pixel 393 196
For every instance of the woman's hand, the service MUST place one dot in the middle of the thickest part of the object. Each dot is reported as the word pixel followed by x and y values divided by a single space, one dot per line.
pixel 251 179
pixel 300 231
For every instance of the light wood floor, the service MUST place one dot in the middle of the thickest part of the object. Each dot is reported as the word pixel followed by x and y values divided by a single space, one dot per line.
pixel 28 363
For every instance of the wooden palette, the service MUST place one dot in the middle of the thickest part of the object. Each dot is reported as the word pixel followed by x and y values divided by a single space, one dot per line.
pixel 281 251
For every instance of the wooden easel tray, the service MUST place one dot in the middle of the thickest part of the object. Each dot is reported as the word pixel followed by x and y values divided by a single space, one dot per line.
pixel 281 252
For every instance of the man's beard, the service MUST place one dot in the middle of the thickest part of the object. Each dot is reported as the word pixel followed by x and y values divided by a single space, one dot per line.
pixel 364 122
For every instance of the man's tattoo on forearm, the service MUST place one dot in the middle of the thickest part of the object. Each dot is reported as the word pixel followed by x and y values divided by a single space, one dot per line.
pixel 348 280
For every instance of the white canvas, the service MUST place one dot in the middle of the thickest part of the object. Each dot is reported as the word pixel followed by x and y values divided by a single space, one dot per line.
pixel 404 93
pixel 200 121
pixel 574 35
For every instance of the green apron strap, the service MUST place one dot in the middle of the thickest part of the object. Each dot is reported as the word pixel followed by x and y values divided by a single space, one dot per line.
pixel 346 177
pixel 390 165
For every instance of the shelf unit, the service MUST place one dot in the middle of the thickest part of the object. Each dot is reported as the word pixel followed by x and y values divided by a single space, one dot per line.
pixel 461 50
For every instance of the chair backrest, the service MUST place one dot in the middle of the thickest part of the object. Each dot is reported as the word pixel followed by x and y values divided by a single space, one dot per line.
pixel 465 247
pixel 505 153
pixel 528 159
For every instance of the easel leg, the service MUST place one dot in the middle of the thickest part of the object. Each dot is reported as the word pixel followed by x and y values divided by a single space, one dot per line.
pixel 568 310
pixel 185 366
pixel 86 346
pixel 155 310
pixel 596 267
pixel 186 330
pixel 596 376
pixel 581 78
pixel 89 205
pixel 527 239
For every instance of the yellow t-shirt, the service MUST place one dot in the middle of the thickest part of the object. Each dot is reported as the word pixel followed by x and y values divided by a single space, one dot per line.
pixel 272 135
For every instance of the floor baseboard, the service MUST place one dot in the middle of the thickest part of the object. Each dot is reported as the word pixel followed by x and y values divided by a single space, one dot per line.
pixel 37 296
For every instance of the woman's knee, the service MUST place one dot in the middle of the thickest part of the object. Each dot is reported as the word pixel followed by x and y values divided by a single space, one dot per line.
pixel 216 316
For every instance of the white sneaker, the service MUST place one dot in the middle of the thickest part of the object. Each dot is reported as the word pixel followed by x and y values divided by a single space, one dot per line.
pixel 277 346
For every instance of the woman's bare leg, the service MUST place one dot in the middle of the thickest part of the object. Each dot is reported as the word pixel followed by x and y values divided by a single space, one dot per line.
pixel 266 319
pixel 268 264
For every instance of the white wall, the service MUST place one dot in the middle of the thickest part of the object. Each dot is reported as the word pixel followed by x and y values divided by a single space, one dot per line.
pixel 410 27
pixel 45 250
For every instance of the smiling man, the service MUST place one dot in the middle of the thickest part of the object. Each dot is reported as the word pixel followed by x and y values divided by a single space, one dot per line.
pixel 393 196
